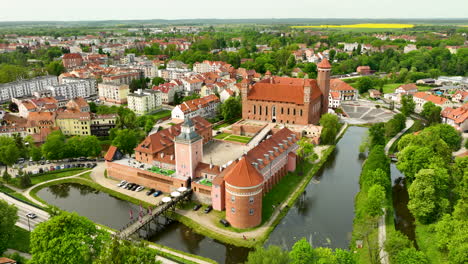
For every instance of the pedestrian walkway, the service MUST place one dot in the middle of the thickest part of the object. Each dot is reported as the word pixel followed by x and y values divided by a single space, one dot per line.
pixel 261 135
pixel 409 124
pixel 382 237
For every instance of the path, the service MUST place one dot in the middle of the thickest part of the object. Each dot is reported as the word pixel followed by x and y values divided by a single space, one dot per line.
pixel 462 149
pixel 383 255
pixel 100 170
pixel 261 135
pixel 22 254
pixel 409 123
pixel 24 209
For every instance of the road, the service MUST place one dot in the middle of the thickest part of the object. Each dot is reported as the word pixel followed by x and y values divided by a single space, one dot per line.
pixel 23 210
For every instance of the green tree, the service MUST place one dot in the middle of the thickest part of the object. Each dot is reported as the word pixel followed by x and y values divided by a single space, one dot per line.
pixel 426 201
pixel 407 105
pixel 364 84
pixel 231 109
pixel 411 256
pixel 395 243
pixel 125 140
pixel 377 134
pixel 270 255
pixel 67 238
pixel 447 133
pixel 6 176
pixel 25 181
pixel 431 112
pixel 8 218
pixel 35 153
pixel 302 253
pixel 377 177
pixel 330 127
pixel 157 81
pixel 53 148
pixel 125 252
pixel 9 152
pixel 375 201
pixel 55 68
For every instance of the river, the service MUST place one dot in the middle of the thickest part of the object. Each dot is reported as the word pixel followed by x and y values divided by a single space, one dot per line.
pixel 324 214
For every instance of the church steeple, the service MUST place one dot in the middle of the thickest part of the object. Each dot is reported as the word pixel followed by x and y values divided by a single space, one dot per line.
pixel 188 147
pixel 188 133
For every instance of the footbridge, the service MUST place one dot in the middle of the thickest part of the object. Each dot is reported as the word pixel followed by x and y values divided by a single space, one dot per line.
pixel 149 222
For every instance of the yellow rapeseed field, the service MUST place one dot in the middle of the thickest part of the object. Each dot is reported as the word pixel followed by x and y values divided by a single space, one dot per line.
pixel 360 26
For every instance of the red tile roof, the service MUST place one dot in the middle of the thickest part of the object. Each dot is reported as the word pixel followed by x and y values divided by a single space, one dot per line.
pixel 243 174
pixel 408 87
pixel 324 64
pixel 110 153
pixel 195 104
pixel 339 85
pixel 283 89
pixel 431 98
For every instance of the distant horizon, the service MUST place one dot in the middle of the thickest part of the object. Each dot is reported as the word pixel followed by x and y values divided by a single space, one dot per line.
pixel 110 10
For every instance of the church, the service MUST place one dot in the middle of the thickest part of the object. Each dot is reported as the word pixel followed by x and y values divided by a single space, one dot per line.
pixel 287 100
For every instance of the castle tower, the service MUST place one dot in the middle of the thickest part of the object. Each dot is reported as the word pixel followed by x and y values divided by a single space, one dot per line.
pixel 188 147
pixel 243 196
pixel 323 81
pixel 244 90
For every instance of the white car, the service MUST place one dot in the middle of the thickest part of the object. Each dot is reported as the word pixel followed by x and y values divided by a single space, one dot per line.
pixel 122 183
pixel 31 215
pixel 139 189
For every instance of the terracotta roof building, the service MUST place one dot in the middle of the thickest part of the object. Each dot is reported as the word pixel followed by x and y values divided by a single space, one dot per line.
pixel 287 100
pixel 72 60
pixel 205 107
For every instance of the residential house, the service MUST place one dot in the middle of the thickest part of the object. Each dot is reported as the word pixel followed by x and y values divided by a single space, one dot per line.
pixel 420 98
pixel 168 91
pixel 334 100
pixel 457 118
pixel 24 88
pixel 409 88
pixel 44 104
pixel 460 96
pixel 346 91
pixel 144 101
pixel 72 60
pixel 375 94
pixel 113 93
pixel 364 70
pixel 78 104
pixel 205 107
pixel 226 94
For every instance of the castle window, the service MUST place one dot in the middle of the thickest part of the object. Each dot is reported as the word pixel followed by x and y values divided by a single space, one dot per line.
pixel 254 109
pixel 251 211
pixel 233 210
pixel 300 112
pixel 251 200
pixel 294 111
pixel 233 198
pixel 288 111
pixel 266 110
pixel 282 110
pixel 260 110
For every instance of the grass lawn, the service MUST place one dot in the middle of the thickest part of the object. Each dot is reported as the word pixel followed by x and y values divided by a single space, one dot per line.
pixel 390 87
pixel 205 182
pixel 221 126
pixel 161 114
pixel 426 243
pixel 55 175
pixel 18 196
pixel 161 171
pixel 20 240
pixel 235 138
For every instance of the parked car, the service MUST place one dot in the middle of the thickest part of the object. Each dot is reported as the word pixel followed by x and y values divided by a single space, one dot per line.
pixel 224 222
pixel 208 209
pixel 129 186
pixel 196 207
pixel 122 183
pixel 41 170
pixel 140 188
pixel 51 168
pixel 62 166
pixel 135 187
pixel 58 167
pixel 31 215
pixel 150 192
pixel 157 193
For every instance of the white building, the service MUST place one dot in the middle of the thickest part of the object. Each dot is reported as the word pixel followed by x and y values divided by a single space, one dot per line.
pixel 25 87
pixel 113 93
pixel 73 87
pixel 205 107
pixel 420 98
pixel 144 101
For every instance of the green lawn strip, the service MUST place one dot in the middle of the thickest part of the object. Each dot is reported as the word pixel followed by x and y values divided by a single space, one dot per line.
pixel 16 195
pixel 390 87
pixel 86 175
pixel 20 240
pixel 206 231
pixel 425 240
pixel 240 137
pixel 222 136
pixel 177 258
pixel 221 126
pixel 35 179
pixel 394 146
pixel 94 185
pixel 161 114
pixel 237 140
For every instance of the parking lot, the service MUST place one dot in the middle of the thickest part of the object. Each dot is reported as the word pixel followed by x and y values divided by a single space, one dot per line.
pixel 366 113
pixel 44 166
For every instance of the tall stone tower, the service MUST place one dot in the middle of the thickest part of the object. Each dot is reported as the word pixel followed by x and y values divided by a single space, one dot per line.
pixel 188 147
pixel 323 81
pixel 244 90
pixel 244 193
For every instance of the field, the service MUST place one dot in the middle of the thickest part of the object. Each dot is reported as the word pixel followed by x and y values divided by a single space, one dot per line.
pixel 390 87
pixel 377 25
pixel 235 138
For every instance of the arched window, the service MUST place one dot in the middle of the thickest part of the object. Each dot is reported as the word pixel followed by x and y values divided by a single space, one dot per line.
pixel 282 110
pixel 254 109
pixel 273 110
pixel 300 112
pixel 260 110
pixel 294 111
pixel 288 111
pixel 266 110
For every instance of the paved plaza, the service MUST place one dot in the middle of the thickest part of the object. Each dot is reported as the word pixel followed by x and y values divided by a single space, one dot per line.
pixel 366 113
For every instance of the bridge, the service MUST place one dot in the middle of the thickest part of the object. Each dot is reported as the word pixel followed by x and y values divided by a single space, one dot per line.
pixel 146 222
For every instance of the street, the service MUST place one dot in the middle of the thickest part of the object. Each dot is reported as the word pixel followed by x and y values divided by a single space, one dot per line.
pixel 23 210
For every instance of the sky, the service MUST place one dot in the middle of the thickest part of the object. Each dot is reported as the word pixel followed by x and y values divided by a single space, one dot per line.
pixel 60 10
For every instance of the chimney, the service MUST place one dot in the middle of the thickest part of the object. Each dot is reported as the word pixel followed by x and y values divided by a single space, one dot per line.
pixel 271 153
pixel 290 139
pixel 162 154
pixel 172 157
pixel 260 161
pixel 220 168
pixel 211 165
pixel 255 164
pixel 267 156
pixel 281 145
pixel 276 149
pixel 293 135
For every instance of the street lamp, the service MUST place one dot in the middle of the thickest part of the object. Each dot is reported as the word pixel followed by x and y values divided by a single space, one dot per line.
pixel 29 224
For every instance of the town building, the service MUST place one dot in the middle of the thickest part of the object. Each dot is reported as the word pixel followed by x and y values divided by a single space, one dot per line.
pixel 334 100
pixel 457 117
pixel 85 123
pixel 226 94
pixel 144 101
pixel 420 98
pixel 287 100
pixel 375 94
pixel 122 77
pixel 78 104
pixel 44 104
pixel 205 107
pixel 364 70
pixel 79 88
pixel 25 88
pixel 409 88
pixel 346 91
pixel 72 60
pixel 168 91
pixel 113 93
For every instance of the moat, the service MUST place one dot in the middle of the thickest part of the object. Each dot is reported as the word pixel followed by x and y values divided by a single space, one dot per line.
pixel 323 214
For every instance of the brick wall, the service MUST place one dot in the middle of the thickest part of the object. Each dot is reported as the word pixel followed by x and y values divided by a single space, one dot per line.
pixel 238 212
pixel 201 193
pixel 142 177
pixel 246 130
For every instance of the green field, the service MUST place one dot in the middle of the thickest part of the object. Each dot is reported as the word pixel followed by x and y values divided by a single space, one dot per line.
pixel 390 87
pixel 234 138
pixel 161 171
pixel 205 182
